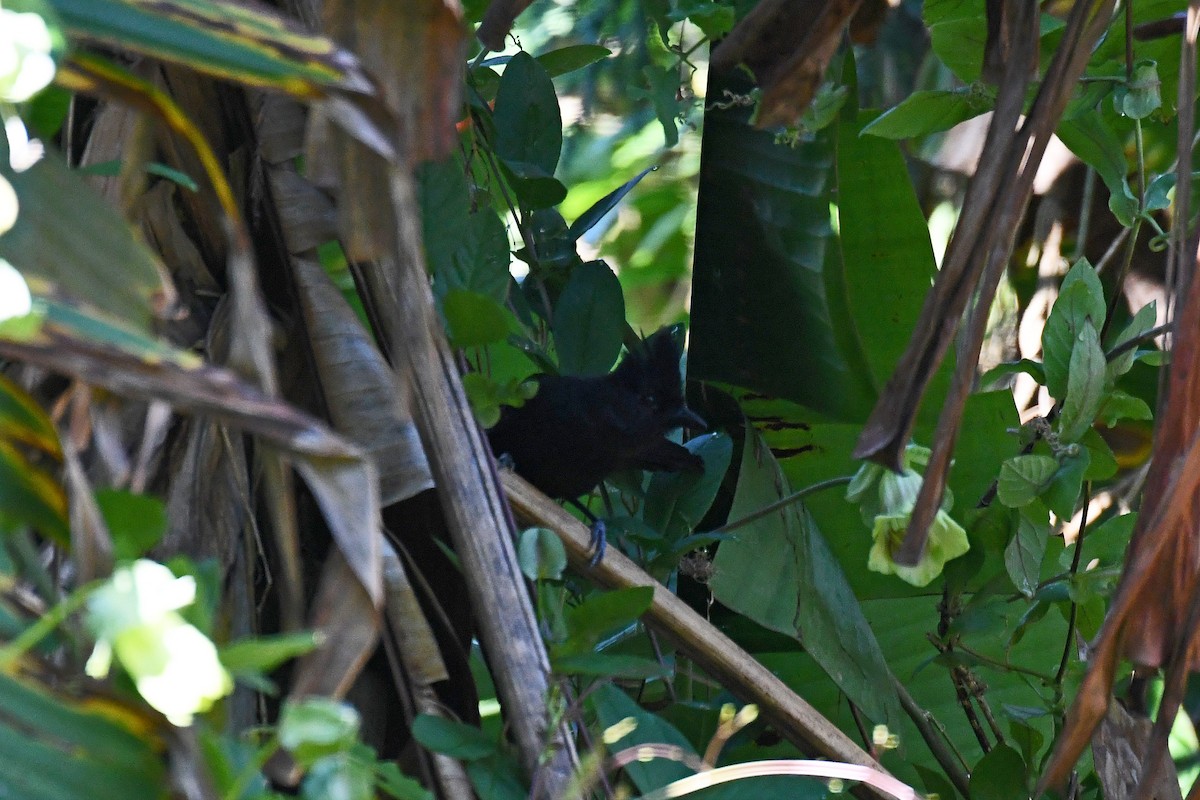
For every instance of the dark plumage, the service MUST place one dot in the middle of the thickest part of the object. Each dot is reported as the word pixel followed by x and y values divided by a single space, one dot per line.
pixel 575 432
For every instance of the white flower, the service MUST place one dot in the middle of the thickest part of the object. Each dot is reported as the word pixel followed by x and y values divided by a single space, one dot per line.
pixel 26 64
pixel 15 300
pixel 135 617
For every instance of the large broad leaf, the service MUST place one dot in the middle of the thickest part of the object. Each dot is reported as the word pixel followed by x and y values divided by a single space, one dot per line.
pixel 780 572
pixel 887 263
pixel 55 748
pixel 613 707
pixel 760 312
pixel 811 450
pixel 464 249
pixel 589 320
pixel 527 118
pixel 676 502
pixel 1091 138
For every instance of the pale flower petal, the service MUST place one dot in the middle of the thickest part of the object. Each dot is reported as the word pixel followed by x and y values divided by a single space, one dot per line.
pixel 190 681
pixel 26 64
pixel 135 618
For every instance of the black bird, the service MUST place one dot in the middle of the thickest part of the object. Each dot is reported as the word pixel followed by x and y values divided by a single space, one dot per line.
pixel 575 432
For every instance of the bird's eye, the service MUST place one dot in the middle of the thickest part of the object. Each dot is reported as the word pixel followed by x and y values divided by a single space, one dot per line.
pixel 650 400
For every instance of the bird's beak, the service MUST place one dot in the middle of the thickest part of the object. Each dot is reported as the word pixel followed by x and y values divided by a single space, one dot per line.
pixel 686 418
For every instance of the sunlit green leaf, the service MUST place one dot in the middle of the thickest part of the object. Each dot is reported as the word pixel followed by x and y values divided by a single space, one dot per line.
pixel 1085 384
pixel 316 727
pixel 541 554
pixel 928 111
pixel 1023 478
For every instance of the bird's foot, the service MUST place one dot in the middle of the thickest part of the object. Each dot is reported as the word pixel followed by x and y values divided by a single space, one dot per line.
pixel 505 460
pixel 598 543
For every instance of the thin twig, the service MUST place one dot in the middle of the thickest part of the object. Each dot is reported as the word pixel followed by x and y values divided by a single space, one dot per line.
pixel 782 502
pixel 943 750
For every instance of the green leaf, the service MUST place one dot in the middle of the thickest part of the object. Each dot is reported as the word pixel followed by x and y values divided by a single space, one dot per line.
pixel 1027 737
pixel 497 777
pixel 676 502
pixel 113 167
pixel 1090 137
pixel 661 88
pixel 958 34
pixel 541 554
pixel 55 747
pixel 929 111
pixel 1119 405
pixel 603 665
pixel 1023 478
pixel 1140 97
pixel 602 614
pixel 136 522
pixel 1000 775
pixel 570 58
pixel 769 205
pixel 1033 369
pixel 882 233
pixel 589 320
pixel 265 653
pixel 339 776
pixel 473 319
pixel 605 204
pixel 714 19
pixel 1158 193
pixel 398 785
pixel 451 738
pixel 482 394
pixel 613 708
pixel 1062 494
pixel 1085 384
pixel 46 112
pixel 464 249
pixel 1079 299
pixel 779 572
pixel 1024 553
pixel 316 727
pixel 1142 322
pixel 527 119
pixel 1102 463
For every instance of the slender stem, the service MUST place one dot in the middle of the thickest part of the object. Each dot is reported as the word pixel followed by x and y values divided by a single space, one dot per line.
pixel 44 626
pixel 1135 341
pixel 1076 560
pixel 1004 665
pixel 944 752
pixel 782 502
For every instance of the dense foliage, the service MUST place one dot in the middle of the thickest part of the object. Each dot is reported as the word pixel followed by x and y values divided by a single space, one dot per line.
pixel 204 225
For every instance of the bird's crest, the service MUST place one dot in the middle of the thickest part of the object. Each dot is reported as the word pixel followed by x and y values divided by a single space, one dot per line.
pixel 652 367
